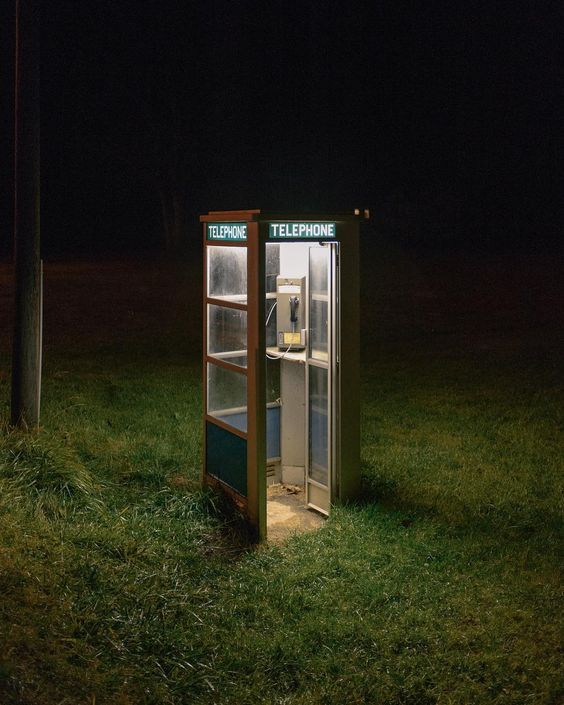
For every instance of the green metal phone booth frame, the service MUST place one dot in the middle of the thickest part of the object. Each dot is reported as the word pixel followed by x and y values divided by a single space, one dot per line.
pixel 235 302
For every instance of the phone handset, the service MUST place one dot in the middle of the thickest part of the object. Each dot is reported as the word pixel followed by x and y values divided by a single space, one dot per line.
pixel 294 303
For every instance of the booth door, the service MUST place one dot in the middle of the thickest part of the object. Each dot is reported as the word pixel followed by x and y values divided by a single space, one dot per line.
pixel 321 376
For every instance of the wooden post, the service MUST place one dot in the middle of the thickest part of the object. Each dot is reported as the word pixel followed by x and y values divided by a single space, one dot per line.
pixel 26 357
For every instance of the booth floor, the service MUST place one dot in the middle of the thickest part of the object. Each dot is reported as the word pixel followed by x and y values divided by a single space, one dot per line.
pixel 287 514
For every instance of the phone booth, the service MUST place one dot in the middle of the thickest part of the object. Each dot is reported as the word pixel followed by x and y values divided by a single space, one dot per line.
pixel 281 358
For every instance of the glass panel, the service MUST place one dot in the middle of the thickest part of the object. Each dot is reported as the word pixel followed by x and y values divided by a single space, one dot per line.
pixel 227 273
pixel 272 266
pixel 272 270
pixel 272 432
pixel 227 396
pixel 227 334
pixel 318 408
pixel 319 258
pixel 270 318
pixel 272 381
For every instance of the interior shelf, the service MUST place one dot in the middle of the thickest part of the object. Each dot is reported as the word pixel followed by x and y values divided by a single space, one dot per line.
pixel 298 356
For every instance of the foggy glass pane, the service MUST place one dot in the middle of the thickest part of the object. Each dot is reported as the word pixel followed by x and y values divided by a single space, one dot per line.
pixel 272 380
pixel 227 334
pixel 272 266
pixel 319 302
pixel 227 273
pixel 227 396
pixel 270 318
pixel 318 408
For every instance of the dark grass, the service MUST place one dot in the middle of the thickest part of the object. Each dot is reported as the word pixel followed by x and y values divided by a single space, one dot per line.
pixel 122 582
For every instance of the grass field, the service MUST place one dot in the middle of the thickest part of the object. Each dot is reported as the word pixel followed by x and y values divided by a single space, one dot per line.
pixel 121 582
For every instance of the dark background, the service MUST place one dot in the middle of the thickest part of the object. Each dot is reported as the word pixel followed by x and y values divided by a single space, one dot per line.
pixel 443 119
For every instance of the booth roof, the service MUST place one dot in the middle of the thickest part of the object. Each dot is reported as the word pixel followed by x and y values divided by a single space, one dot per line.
pixel 261 216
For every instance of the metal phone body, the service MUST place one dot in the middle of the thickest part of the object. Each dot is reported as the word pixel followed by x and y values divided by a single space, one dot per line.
pixel 290 313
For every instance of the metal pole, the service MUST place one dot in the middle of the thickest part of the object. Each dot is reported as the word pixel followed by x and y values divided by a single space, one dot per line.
pixel 26 354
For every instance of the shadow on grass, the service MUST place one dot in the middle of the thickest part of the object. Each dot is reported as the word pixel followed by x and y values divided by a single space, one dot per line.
pixel 237 535
pixel 509 519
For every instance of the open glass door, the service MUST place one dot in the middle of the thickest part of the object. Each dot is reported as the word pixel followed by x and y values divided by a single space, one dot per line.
pixel 321 375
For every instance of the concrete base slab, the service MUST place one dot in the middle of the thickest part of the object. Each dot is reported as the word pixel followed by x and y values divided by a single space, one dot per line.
pixel 287 514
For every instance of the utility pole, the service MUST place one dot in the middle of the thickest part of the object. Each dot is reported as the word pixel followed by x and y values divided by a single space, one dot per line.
pixel 26 353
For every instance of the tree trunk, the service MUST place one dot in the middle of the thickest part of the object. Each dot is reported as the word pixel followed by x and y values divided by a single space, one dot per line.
pixel 26 358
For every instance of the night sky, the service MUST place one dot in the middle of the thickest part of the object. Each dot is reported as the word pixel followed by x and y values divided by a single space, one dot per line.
pixel 443 118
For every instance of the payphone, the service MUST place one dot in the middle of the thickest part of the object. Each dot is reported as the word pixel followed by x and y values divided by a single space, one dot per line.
pixel 290 313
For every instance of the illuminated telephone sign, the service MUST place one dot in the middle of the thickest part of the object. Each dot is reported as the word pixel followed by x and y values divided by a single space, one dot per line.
pixel 302 231
pixel 227 231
